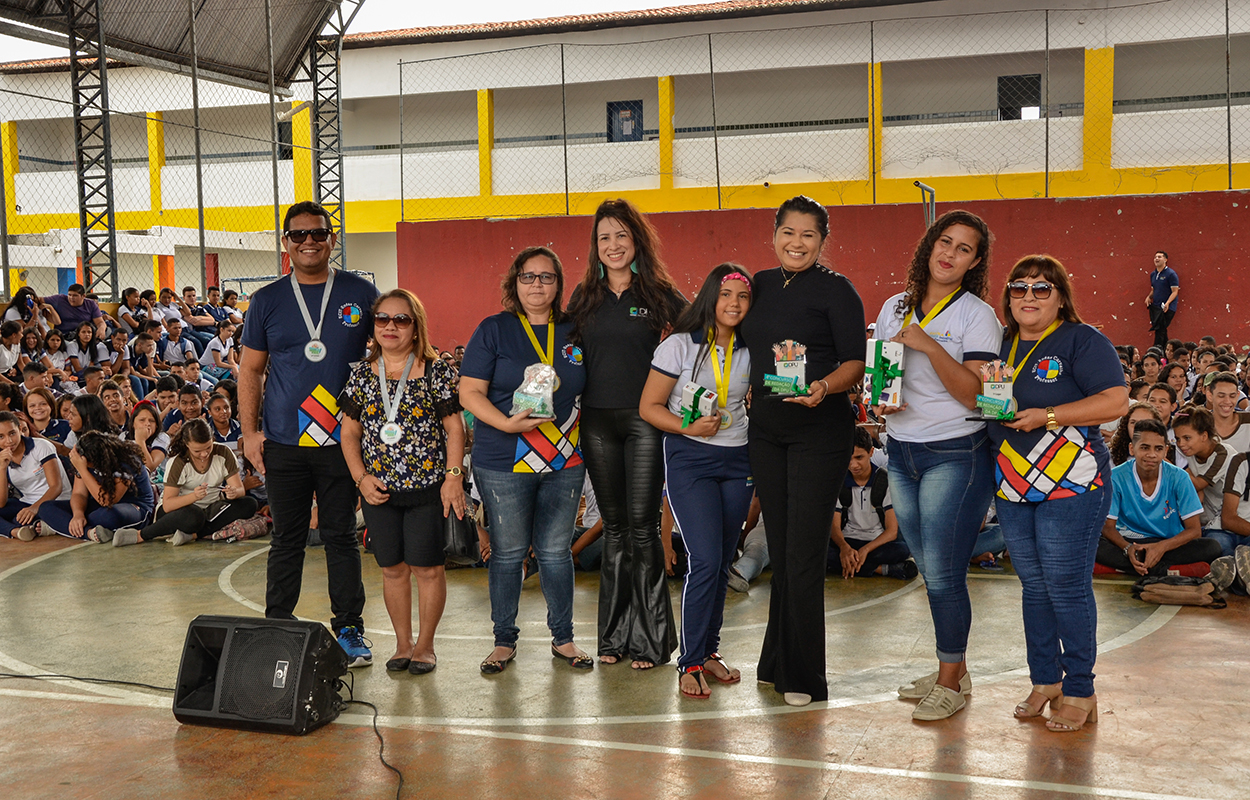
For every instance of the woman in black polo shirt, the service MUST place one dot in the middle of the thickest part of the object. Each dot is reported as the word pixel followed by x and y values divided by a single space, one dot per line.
pixel 620 309
pixel 806 322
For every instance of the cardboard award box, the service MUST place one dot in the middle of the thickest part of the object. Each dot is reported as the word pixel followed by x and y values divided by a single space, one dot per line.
pixel 696 402
pixel 883 373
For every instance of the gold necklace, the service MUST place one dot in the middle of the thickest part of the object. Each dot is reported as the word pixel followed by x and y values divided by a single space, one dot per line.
pixel 786 281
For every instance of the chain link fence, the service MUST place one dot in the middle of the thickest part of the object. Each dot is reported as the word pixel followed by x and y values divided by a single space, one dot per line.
pixel 1035 103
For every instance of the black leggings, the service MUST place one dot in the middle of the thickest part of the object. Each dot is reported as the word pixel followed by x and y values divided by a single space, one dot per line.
pixel 797 469
pixel 625 458
pixel 194 519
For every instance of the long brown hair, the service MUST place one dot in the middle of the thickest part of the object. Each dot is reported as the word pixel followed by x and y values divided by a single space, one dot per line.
pixel 511 301
pixel 651 283
pixel 1121 440
pixel 1049 269
pixel 976 280
pixel 420 326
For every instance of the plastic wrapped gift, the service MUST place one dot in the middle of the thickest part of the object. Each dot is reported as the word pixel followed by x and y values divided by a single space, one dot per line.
pixel 536 391
pixel 696 402
pixel 883 373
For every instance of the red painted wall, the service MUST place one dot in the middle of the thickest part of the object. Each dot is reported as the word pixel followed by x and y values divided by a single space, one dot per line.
pixel 1106 243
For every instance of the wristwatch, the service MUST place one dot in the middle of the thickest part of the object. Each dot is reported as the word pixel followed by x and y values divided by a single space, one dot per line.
pixel 1051 423
pixel 455 471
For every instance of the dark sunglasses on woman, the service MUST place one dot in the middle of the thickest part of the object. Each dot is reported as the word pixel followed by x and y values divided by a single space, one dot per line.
pixel 1019 289
pixel 400 320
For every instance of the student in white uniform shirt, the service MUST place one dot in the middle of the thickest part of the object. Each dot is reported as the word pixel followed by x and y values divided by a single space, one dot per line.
pixel 30 475
pixel 1231 425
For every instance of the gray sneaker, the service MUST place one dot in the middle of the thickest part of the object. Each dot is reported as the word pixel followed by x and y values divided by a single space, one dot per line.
pixel 921 687
pixel 737 582
pixel 1241 557
pixel 1223 572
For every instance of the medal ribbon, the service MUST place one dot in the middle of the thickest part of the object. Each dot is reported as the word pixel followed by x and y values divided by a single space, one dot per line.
pixel 1011 356
pixel 391 407
pixel 549 358
pixel 314 334
pixel 937 309
pixel 722 379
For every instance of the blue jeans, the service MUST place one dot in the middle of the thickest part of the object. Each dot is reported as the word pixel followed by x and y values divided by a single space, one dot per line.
pixel 531 510
pixel 941 491
pixel 58 514
pixel 1228 540
pixel 1052 546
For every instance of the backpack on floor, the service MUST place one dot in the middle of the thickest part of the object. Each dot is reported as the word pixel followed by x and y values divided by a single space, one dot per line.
pixel 1177 590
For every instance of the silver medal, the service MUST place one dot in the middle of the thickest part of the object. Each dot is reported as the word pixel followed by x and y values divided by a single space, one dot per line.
pixel 391 433
pixel 315 351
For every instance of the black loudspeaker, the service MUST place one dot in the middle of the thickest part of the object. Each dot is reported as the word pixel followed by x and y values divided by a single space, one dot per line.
pixel 257 674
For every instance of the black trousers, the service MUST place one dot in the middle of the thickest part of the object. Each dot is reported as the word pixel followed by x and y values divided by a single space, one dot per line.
pixel 798 466
pixel 1189 553
pixel 194 519
pixel 1159 322
pixel 625 458
pixel 294 476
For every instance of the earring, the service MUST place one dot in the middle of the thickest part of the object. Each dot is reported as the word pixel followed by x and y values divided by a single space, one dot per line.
pixel 600 269
pixel 633 266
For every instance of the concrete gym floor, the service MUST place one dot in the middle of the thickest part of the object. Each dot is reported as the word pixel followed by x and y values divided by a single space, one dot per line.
pixel 1170 683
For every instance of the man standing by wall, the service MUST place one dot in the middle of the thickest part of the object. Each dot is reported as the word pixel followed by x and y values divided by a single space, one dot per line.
pixel 1162 302
pixel 307 329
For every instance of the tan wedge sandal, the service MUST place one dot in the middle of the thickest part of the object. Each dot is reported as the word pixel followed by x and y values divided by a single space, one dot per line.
pixel 1050 693
pixel 1061 724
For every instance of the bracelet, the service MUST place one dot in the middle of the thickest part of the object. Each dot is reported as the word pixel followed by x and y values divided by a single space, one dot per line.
pixel 826 383
pixel 361 478
pixel 1127 547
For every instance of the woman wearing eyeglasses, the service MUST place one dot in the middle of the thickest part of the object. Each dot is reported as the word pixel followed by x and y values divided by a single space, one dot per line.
pixel 1054 481
pixel 941 473
pixel 527 466
pixel 403 440
pixel 624 304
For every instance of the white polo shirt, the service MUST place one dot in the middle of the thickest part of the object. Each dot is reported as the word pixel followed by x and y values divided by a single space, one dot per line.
pixel 968 330
pixel 27 480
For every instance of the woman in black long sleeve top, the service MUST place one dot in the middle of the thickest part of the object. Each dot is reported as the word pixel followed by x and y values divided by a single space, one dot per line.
pixel 622 306
pixel 800 446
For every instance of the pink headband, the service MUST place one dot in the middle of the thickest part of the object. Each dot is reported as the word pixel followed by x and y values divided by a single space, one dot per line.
pixel 737 276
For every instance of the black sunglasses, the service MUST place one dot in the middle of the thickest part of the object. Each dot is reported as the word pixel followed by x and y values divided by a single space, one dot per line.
pixel 317 234
pixel 1019 289
pixel 400 320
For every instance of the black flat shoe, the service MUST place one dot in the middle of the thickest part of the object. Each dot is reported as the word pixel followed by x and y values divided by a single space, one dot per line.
pixel 397 664
pixel 576 662
pixel 421 667
pixel 494 667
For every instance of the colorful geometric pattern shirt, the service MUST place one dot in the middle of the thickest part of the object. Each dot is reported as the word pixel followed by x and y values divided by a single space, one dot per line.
pixel 1074 362
pixel 301 396
pixel 498 353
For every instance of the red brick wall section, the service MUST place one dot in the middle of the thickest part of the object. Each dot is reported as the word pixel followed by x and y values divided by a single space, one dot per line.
pixel 1106 243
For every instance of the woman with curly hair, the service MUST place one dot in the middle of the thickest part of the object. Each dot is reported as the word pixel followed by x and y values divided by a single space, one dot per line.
pixel 111 490
pixel 1123 437
pixel 941 470
pixel 620 310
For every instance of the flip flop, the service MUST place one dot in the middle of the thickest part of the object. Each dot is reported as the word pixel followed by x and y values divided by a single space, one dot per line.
pixel 729 671
pixel 697 671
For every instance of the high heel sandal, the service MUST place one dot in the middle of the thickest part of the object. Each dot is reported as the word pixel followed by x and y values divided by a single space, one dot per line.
pixel 1052 694
pixel 697 672
pixel 1065 725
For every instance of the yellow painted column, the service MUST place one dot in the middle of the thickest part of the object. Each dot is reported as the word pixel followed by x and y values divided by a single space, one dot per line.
pixel 156 159
pixel 667 109
pixel 875 125
pixel 301 153
pixel 1099 92
pixel 485 141
pixel 8 157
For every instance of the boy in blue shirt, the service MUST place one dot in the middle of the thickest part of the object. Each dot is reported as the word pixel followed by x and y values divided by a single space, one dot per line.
pixel 1155 512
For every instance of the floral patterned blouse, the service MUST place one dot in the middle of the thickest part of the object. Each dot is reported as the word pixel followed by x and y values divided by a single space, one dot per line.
pixel 419 459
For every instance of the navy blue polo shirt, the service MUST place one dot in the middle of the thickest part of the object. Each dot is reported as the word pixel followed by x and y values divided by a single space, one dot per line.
pixel 1161 283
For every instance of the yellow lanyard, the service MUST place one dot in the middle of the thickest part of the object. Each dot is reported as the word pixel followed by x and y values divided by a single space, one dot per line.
pixel 722 378
pixel 937 309
pixel 1011 356
pixel 551 339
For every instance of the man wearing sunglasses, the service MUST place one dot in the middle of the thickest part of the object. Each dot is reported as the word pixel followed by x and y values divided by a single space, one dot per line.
pixel 1165 285
pixel 306 329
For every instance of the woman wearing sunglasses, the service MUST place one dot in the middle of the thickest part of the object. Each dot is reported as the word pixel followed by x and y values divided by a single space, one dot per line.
pixel 941 472
pixel 1054 481
pixel 621 308
pixel 528 468
pixel 403 440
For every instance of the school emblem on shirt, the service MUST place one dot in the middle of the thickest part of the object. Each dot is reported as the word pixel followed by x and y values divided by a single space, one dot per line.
pixel 351 314
pixel 1048 369
pixel 573 353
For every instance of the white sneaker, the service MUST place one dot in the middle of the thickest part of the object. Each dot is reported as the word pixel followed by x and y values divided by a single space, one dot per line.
pixel 939 703
pixel 26 533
